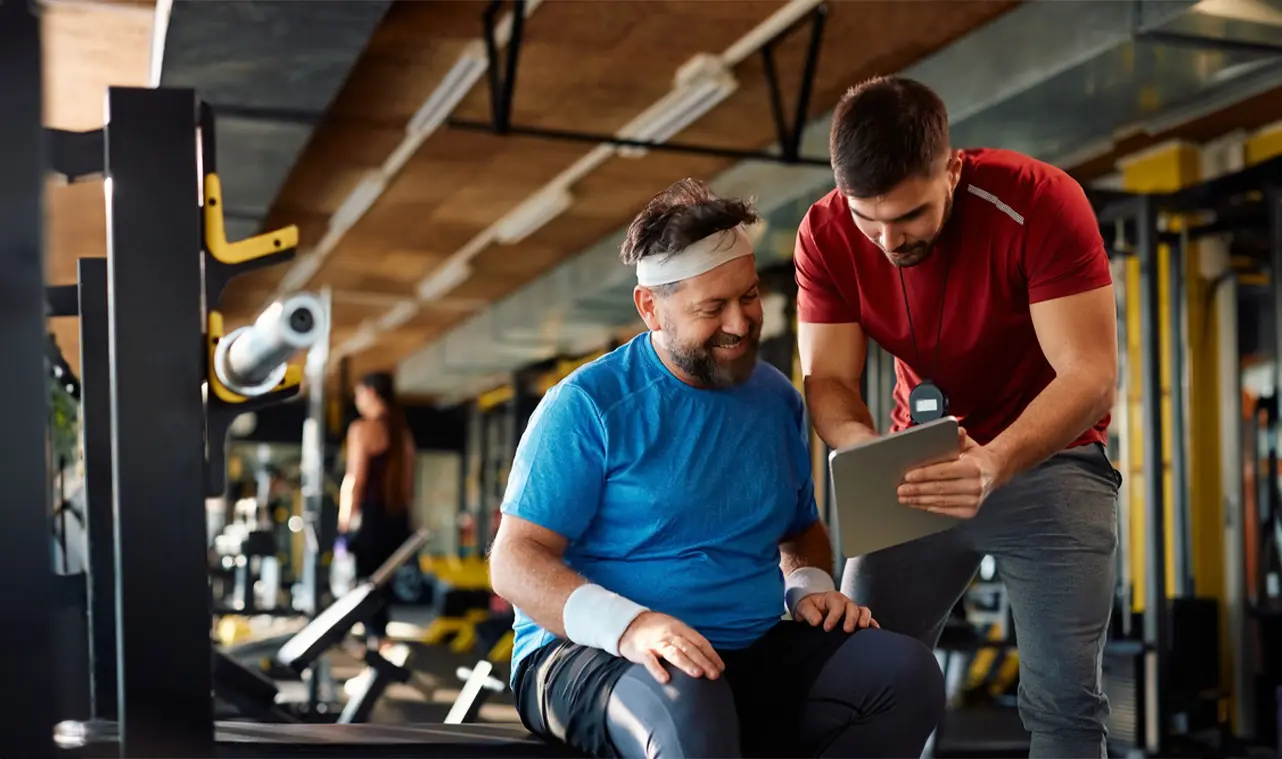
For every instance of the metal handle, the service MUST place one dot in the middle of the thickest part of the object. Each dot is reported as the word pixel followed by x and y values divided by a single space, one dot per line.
pixel 251 360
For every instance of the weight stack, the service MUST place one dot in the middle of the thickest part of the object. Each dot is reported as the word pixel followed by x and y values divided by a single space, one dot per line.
pixel 1193 676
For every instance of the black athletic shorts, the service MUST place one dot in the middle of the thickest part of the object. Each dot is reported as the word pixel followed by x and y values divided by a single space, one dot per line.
pixel 562 689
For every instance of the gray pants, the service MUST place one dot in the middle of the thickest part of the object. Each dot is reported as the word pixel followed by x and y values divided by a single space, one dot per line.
pixel 1053 534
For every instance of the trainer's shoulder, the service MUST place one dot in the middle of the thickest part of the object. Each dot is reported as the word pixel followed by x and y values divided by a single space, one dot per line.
pixel 1014 174
pixel 1018 185
pixel 826 215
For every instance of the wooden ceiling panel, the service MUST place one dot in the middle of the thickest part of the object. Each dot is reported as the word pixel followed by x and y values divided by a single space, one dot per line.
pixel 487 287
pixel 362 275
pixel 320 188
pixel 448 310
pixel 584 66
pixel 77 227
pixel 406 24
pixel 351 143
pixel 387 92
pixel 745 120
pixel 517 261
pixel 352 313
pixel 391 349
pixel 88 47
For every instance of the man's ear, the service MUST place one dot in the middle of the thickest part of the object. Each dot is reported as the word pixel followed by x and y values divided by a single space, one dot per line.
pixel 647 307
pixel 954 168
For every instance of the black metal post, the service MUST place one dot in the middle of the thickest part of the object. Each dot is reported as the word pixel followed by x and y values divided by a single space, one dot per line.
pixel 158 424
pixel 26 545
pixel 481 518
pixel 95 420
pixel 1156 629
pixel 1179 447
pixel 792 150
pixel 313 487
pixel 466 451
pixel 1273 200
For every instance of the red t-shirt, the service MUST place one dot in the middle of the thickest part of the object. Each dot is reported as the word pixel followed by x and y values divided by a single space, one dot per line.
pixel 1021 232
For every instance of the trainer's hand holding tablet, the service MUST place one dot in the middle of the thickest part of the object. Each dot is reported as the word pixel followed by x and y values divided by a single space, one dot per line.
pixel 954 488
pixel 948 479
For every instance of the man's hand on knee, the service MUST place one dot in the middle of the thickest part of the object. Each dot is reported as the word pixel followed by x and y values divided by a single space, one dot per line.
pixel 653 636
pixel 829 608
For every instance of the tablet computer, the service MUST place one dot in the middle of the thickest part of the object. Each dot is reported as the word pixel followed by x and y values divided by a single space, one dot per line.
pixel 865 480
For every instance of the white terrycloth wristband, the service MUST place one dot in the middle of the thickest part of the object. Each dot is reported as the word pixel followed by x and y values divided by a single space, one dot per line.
pixel 596 617
pixel 804 581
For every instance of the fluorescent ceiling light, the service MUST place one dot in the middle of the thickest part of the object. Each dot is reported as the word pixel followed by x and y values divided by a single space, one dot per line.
pixel 444 279
pixel 358 202
pixel 530 216
pixel 303 269
pixel 398 315
pixel 702 84
pixel 364 338
pixel 1251 11
pixel 458 81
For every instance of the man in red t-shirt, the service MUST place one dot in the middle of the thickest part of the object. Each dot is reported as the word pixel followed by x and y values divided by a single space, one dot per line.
pixel 983 272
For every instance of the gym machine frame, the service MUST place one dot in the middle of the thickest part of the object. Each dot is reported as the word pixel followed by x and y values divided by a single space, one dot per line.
pixel 25 545
pixel 154 301
pixel 1133 221
pixel 146 355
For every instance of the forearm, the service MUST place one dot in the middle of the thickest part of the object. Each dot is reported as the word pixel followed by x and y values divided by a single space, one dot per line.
pixel 530 577
pixel 806 561
pixel 838 411
pixel 347 497
pixel 811 548
pixel 1066 408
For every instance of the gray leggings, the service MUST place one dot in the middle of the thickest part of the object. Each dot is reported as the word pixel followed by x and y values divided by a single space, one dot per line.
pixel 1052 532
pixel 878 695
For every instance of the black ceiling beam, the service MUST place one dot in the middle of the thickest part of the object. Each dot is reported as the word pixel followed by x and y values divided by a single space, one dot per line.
pixel 75 154
pixel 62 300
pixel 790 135
pixel 271 115
pixel 1204 42
pixel 502 84
pixel 567 135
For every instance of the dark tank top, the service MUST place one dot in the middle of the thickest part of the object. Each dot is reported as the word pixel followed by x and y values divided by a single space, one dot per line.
pixel 376 483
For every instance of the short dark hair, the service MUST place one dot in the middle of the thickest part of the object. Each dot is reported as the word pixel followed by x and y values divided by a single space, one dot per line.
pixel 885 130
pixel 681 215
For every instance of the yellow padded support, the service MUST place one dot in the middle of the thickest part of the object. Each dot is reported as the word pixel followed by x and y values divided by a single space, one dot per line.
pixel 502 651
pixel 293 373
pixel 249 249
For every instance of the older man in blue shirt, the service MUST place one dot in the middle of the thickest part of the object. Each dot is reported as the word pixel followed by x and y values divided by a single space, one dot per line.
pixel 659 519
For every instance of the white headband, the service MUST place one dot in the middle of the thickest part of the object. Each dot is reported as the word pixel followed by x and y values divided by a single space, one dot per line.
pixel 701 256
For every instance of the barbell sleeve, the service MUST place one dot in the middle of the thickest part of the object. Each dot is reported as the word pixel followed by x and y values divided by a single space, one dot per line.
pixel 251 361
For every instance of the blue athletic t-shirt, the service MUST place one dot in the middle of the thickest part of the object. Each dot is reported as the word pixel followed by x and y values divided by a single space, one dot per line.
pixel 673 496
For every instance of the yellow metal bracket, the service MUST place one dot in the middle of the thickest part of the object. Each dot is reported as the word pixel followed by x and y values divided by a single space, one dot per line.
pixel 233 253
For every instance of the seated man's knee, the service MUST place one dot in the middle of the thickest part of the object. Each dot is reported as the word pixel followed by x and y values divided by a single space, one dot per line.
pixel 909 671
pixel 890 690
pixel 687 717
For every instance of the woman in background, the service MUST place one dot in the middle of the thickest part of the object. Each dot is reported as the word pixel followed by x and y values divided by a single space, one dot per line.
pixel 379 485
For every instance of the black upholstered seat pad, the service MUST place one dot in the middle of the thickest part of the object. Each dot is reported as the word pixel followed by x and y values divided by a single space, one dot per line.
pixel 245 739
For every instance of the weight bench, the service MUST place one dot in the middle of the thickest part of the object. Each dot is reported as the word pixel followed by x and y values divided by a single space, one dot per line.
pixel 248 740
pixel 253 694
pixel 331 626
